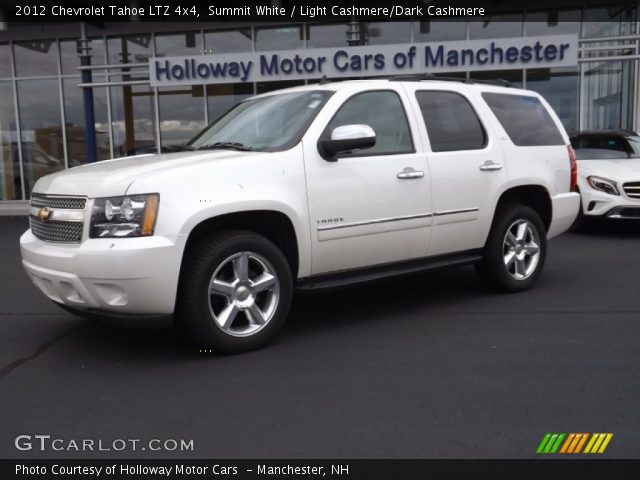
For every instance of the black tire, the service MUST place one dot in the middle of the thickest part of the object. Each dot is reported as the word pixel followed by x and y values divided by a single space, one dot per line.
pixel 205 257
pixel 582 221
pixel 492 269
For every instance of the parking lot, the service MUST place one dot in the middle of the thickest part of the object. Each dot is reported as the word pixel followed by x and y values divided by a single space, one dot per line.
pixel 433 366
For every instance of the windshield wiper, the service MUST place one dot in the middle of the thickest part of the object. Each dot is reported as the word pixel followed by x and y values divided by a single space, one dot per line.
pixel 226 145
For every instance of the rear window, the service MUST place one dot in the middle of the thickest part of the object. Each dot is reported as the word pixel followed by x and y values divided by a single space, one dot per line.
pixel 525 119
pixel 451 122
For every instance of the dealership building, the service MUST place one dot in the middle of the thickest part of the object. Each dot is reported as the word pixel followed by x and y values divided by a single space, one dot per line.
pixel 72 93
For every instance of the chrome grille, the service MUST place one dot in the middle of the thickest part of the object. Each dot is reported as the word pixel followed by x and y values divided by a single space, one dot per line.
pixel 56 230
pixel 632 189
pixel 53 201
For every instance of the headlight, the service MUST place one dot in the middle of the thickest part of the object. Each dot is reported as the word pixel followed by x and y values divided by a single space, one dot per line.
pixel 130 216
pixel 604 185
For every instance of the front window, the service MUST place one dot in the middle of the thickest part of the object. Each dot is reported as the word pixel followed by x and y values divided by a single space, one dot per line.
pixel 269 124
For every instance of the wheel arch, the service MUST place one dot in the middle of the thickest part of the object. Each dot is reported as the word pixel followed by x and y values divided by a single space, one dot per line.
pixel 272 224
pixel 536 197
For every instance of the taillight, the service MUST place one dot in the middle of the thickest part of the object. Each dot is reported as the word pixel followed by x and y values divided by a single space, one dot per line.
pixel 574 170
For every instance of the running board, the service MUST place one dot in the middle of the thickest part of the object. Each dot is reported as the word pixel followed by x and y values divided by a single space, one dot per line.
pixel 346 278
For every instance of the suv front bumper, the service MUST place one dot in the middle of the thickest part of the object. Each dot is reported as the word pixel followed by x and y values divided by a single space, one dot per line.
pixel 137 276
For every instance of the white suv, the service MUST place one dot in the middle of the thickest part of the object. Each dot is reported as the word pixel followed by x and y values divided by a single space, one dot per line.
pixel 310 187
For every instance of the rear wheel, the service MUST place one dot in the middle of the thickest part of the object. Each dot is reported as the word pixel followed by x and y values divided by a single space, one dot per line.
pixel 515 251
pixel 235 292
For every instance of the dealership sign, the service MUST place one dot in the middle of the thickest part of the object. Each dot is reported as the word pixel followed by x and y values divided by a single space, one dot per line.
pixel 362 61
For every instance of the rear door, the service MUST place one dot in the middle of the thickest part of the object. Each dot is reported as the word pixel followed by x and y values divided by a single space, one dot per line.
pixel 465 162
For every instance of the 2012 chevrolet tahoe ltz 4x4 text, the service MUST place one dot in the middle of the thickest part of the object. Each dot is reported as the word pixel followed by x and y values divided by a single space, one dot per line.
pixel 309 187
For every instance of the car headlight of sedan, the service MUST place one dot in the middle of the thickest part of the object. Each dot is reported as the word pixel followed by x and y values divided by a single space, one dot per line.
pixel 129 216
pixel 604 185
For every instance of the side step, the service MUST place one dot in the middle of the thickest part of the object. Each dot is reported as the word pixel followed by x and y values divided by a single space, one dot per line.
pixel 347 278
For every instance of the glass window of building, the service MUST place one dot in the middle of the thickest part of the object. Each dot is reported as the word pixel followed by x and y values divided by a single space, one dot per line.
pixel 70 57
pixel 496 26
pixel 186 43
pixel 285 37
pixel 228 41
pixel 426 31
pixel 133 120
pixel 221 97
pixel 559 87
pixel 513 76
pixel 377 33
pixel 326 35
pixel 264 87
pixel 609 21
pixel 36 58
pixel 130 49
pixel 5 60
pixel 552 22
pixel 181 114
pixel 606 91
pixel 10 179
pixel 40 130
pixel 75 122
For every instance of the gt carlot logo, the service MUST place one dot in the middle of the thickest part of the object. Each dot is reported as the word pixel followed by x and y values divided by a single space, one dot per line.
pixel 564 443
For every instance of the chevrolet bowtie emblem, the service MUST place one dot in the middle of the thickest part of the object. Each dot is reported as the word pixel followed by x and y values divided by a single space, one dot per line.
pixel 44 214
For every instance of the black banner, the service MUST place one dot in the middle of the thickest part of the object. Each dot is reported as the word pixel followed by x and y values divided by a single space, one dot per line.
pixel 585 469
pixel 279 10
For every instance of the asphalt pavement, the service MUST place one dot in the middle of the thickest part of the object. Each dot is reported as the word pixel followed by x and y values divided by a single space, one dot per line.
pixel 433 366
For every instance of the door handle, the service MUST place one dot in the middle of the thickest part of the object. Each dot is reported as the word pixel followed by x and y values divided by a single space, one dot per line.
pixel 489 166
pixel 409 173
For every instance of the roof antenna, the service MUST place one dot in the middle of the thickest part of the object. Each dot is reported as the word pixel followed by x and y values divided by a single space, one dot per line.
pixel 324 80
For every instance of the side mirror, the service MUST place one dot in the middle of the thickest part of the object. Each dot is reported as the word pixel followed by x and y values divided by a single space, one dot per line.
pixel 345 139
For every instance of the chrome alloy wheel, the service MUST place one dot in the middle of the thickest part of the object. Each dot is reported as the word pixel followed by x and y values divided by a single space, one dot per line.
pixel 521 249
pixel 243 294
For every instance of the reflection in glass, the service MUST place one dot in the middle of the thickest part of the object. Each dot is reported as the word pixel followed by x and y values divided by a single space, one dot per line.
pixel 181 114
pixel 496 26
pixel 41 131
pixel 71 60
pixel 228 41
pixel 130 49
pixel 605 92
pixel 10 184
pixel 513 76
pixel 133 120
pixel 326 35
pixel 552 22
pixel 376 33
pixel 75 123
pixel 35 58
pixel 559 87
pixel 427 31
pixel 286 37
pixel 220 98
pixel 186 43
pixel 263 87
pixel 5 60
pixel 609 21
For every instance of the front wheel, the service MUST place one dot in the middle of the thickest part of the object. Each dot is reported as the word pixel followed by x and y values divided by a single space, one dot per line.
pixel 515 251
pixel 235 292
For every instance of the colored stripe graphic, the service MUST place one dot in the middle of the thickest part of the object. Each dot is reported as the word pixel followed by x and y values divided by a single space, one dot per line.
pixel 573 443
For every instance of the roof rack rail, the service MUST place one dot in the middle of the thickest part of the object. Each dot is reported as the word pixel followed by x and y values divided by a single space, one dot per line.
pixel 430 76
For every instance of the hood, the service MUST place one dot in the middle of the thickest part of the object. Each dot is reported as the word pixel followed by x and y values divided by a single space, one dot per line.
pixel 623 169
pixel 113 177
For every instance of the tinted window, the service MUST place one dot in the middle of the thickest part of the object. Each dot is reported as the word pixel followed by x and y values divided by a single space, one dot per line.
pixel 525 119
pixel 383 112
pixel 606 142
pixel 451 122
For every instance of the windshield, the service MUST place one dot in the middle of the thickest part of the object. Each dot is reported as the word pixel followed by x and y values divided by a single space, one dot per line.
pixel 599 154
pixel 269 124
pixel 634 142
